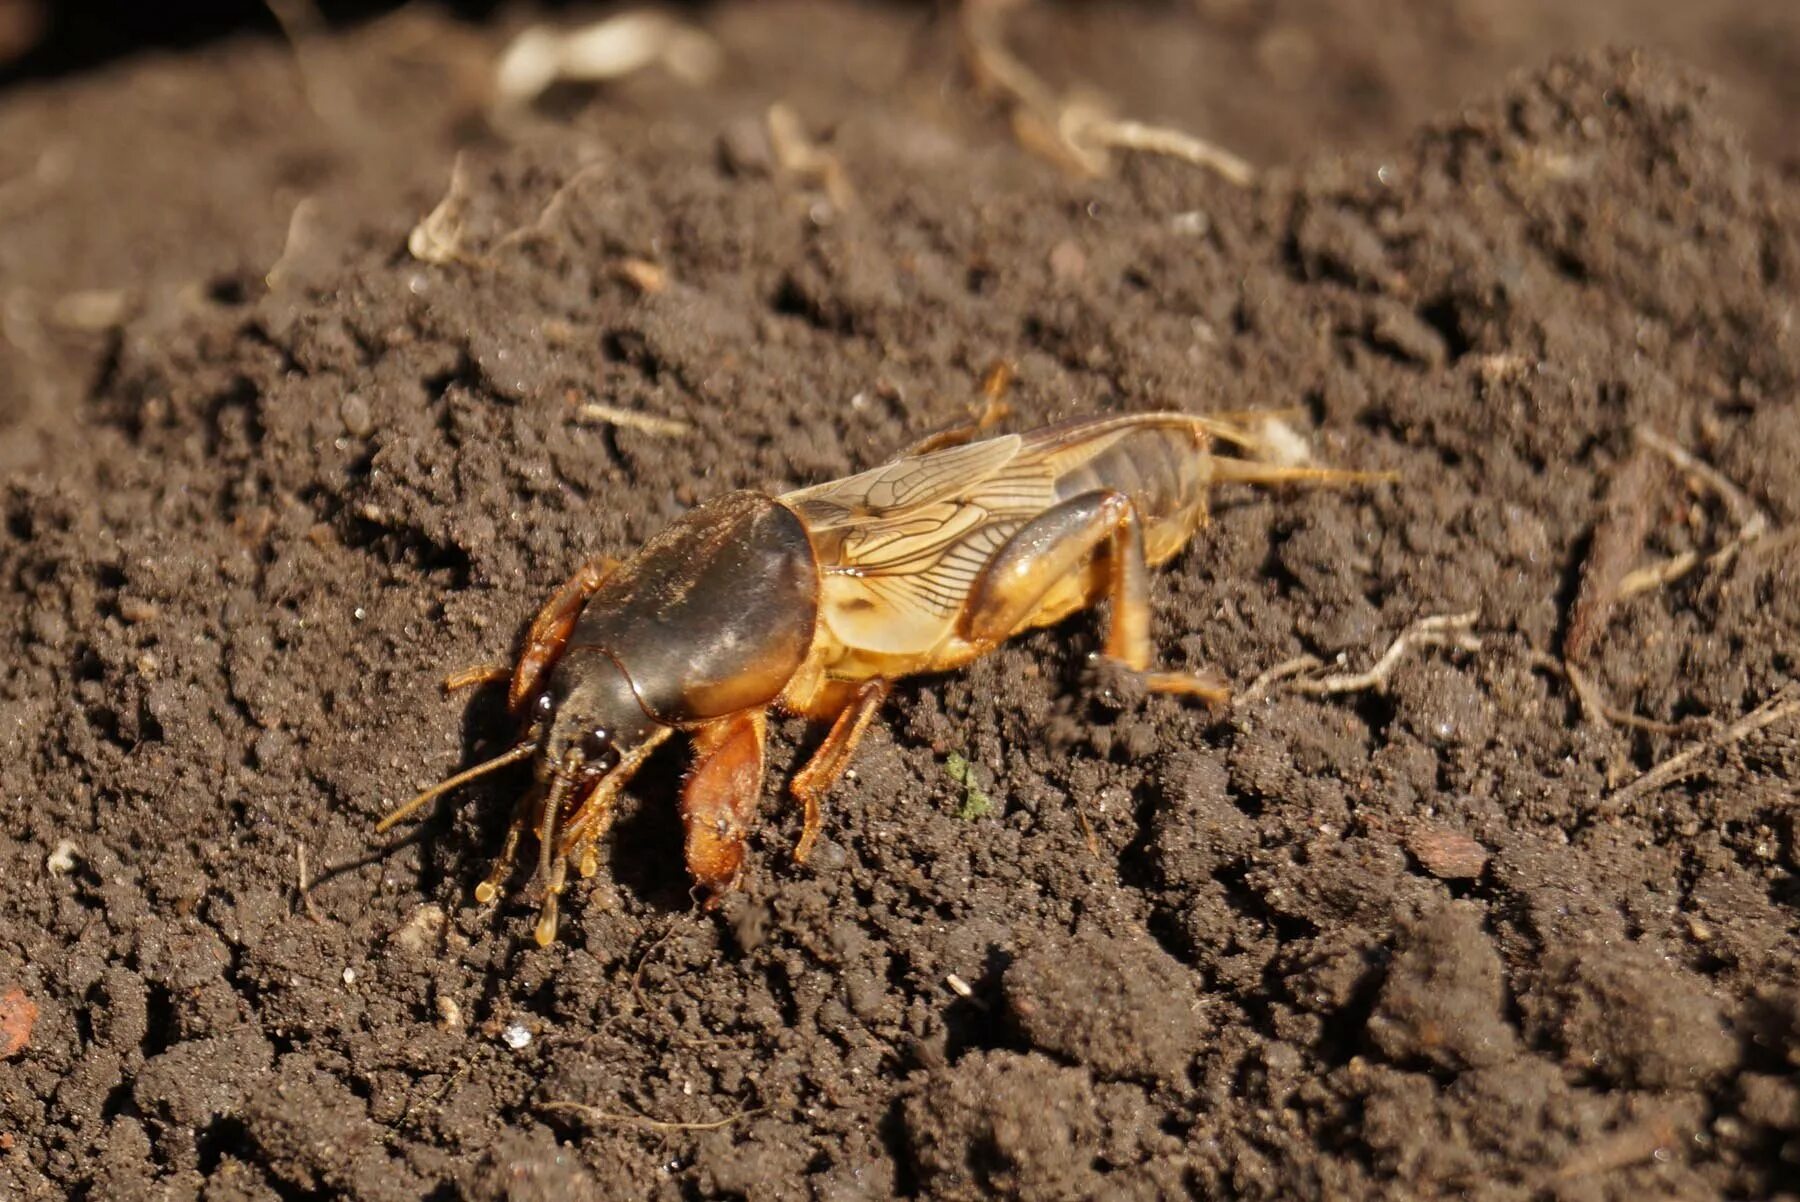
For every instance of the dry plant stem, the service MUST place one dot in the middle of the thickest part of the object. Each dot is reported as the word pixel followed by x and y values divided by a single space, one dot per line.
pixel 657 427
pixel 1595 705
pixel 1592 704
pixel 1067 130
pixel 1785 701
pixel 1439 630
pixel 1752 522
pixel 1170 143
pixel 1667 571
pixel 796 152
pixel 305 883
pixel 595 1115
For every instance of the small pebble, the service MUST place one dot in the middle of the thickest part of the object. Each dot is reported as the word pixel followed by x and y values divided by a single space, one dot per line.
pixel 353 411
pixel 516 1036
pixel 1447 855
pixel 61 860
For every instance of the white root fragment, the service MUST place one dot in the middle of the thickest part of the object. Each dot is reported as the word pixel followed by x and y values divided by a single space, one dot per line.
pixel 1439 630
pixel 1280 672
pixel 659 427
pixel 609 49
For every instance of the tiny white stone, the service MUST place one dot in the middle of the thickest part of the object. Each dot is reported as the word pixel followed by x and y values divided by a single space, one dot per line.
pixel 62 859
pixel 349 976
pixel 516 1036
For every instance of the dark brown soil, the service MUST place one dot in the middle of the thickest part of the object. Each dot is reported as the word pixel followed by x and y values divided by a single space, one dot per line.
pixel 268 478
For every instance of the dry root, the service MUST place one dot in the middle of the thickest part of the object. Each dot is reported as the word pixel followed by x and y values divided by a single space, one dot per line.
pixel 798 153
pixel 1439 630
pixel 1752 522
pixel 1786 701
pixel 1073 130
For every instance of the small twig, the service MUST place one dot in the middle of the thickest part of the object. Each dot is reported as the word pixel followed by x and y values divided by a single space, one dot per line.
pixel 1593 705
pixel 1070 130
pixel 1751 520
pixel 798 153
pixel 630 419
pixel 637 1118
pixel 1588 692
pixel 305 883
pixel 1439 630
pixel 1785 701
pixel 1159 139
pixel 1667 571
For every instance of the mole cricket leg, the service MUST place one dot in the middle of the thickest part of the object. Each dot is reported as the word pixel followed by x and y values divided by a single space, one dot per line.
pixel 1059 542
pixel 827 764
pixel 996 382
pixel 554 623
pixel 718 805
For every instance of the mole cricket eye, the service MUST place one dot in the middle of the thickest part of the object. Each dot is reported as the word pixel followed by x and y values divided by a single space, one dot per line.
pixel 597 750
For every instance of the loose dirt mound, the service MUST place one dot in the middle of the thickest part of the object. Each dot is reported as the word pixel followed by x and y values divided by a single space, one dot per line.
pixel 1404 940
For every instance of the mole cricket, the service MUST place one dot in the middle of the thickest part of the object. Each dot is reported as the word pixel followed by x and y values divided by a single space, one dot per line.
pixel 814 602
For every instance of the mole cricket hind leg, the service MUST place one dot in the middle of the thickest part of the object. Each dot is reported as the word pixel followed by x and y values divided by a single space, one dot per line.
pixel 554 623
pixel 993 410
pixel 827 764
pixel 1059 542
pixel 718 804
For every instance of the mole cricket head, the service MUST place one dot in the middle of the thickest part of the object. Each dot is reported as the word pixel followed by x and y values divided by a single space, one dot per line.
pixel 587 720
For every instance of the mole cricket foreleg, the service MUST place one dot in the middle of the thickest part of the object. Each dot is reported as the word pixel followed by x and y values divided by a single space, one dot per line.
pixel 544 641
pixel 719 802
pixel 827 764
pixel 554 623
pixel 1059 542
pixel 592 816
